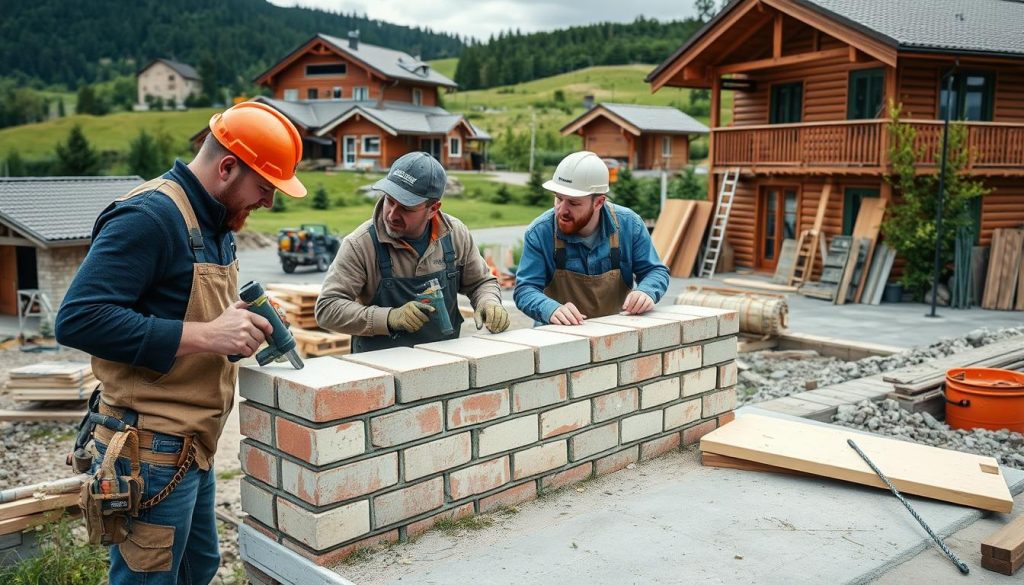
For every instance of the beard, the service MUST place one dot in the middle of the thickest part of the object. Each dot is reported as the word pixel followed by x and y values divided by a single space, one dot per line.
pixel 236 218
pixel 570 226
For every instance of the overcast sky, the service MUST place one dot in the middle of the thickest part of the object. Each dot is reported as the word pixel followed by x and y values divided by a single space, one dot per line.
pixel 480 18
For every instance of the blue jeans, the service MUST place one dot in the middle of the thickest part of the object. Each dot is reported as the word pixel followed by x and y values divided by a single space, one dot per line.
pixel 152 556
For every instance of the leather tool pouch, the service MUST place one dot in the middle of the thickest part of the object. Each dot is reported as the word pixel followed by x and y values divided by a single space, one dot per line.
pixel 109 501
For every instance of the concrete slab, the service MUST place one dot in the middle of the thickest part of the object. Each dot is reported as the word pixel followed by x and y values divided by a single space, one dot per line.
pixel 671 520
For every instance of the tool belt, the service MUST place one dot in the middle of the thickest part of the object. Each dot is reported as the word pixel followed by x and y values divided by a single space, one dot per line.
pixel 108 501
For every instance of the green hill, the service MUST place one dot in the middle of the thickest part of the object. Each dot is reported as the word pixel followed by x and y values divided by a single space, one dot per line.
pixel 445 67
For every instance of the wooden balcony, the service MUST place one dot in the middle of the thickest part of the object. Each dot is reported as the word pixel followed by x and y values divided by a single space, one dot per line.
pixel 859 147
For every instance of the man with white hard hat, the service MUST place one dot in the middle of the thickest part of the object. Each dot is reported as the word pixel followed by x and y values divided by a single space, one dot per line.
pixel 587 257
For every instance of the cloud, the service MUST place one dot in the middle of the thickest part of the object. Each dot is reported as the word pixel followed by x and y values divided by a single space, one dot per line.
pixel 482 18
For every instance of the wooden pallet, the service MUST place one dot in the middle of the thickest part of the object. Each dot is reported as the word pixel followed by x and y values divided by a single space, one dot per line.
pixel 312 343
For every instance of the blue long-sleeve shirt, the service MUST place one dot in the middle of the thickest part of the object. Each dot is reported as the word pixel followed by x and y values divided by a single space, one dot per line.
pixel 637 259
pixel 127 302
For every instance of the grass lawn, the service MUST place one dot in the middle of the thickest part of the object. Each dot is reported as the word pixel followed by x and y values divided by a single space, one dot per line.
pixel 445 67
pixel 472 208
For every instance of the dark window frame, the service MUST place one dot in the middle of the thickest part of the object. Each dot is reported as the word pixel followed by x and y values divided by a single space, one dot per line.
pixel 325 69
pixel 870 83
pixel 960 79
pixel 787 103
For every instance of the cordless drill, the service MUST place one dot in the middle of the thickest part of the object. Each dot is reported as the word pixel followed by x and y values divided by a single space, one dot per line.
pixel 281 344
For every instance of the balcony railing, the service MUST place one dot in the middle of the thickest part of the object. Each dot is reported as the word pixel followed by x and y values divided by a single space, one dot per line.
pixel 861 146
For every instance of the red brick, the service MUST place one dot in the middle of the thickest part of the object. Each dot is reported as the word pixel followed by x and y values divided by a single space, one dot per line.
pixel 321 446
pixel 567 477
pixel 609 406
pixel 333 557
pixel 726 418
pixel 694 433
pixel 405 503
pixel 658 447
pixel 639 369
pixel 477 408
pixel 419 527
pixel 510 497
pixel 326 487
pixel 478 478
pixel 616 461
pixel 407 425
pixel 258 463
pixel 256 424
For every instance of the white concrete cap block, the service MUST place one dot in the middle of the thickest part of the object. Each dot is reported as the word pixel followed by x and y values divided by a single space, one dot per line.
pixel 257 384
pixel 728 319
pixel 552 351
pixel 654 333
pixel 490 362
pixel 607 342
pixel 693 328
pixel 418 373
pixel 329 389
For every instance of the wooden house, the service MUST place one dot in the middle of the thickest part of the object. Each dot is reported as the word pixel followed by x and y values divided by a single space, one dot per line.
pixel 640 137
pixel 170 81
pixel 359 105
pixel 810 82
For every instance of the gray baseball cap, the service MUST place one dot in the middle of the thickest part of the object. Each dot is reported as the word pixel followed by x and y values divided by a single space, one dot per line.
pixel 414 178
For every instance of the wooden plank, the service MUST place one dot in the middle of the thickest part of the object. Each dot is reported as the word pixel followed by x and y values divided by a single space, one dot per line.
pixel 666 227
pixel 823 450
pixel 1020 286
pixel 715 460
pixel 787 261
pixel 758 284
pixel 1001 566
pixel 22 523
pixel 686 255
pixel 872 212
pixel 681 230
pixel 41 414
pixel 36 505
pixel 848 270
pixel 1010 267
pixel 992 279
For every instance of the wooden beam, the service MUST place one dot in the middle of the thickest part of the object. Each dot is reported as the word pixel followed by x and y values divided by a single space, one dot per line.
pixel 783 61
pixel 15 241
pixel 853 54
pixel 777 36
pixel 874 47
pixel 815 40
pixel 743 37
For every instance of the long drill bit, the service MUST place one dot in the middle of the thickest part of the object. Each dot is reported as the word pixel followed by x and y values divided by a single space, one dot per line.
pixel 959 564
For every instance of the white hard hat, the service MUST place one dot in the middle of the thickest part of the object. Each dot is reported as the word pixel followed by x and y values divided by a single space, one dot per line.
pixel 578 175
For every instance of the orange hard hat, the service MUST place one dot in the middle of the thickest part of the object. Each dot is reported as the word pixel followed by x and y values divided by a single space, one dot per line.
pixel 264 139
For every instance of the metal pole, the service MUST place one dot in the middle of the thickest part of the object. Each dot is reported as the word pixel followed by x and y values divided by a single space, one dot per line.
pixel 533 136
pixel 942 194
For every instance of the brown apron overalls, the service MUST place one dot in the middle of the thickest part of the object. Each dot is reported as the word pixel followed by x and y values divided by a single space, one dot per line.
pixel 594 295
pixel 193 399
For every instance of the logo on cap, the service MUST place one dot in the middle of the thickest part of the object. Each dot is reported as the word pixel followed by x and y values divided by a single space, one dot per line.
pixel 404 176
pixel 564 180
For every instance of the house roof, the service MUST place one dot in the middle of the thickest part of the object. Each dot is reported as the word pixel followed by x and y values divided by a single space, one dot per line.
pixel 640 119
pixel 979 27
pixel 58 211
pixel 186 71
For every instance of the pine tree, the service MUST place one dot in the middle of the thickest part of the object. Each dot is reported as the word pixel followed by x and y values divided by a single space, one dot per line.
pixel 76 157
pixel 320 199
pixel 144 157
pixel 15 165
pixel 60 108
pixel 536 195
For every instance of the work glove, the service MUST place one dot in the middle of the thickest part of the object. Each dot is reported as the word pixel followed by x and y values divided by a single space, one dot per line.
pixel 491 314
pixel 409 317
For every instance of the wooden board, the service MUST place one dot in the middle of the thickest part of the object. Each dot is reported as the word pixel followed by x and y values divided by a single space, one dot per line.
pixel 42 414
pixel 883 276
pixel 681 231
pixel 715 460
pixel 22 523
pixel 686 255
pixel 1014 240
pixel 869 223
pixel 1001 566
pixel 36 505
pixel 787 260
pixel 1007 542
pixel 758 284
pixel 821 450
pixel 848 270
pixel 666 228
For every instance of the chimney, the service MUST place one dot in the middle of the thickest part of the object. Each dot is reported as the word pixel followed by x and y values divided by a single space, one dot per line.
pixel 353 40
pixel 588 102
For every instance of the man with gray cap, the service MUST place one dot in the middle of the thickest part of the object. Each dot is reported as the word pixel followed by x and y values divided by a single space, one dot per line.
pixel 370 290
pixel 587 257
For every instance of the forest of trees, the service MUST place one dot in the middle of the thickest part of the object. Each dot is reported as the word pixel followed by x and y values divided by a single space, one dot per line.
pixel 68 42
pixel 513 58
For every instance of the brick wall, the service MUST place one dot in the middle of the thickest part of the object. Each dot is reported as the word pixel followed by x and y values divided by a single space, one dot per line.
pixel 381 445
pixel 56 267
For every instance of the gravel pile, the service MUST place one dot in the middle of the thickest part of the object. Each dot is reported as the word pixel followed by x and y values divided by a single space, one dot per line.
pixel 887 418
pixel 764 376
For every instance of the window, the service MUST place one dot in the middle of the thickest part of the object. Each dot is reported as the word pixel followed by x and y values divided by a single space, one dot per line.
pixel 455 146
pixel 326 69
pixel 417 96
pixel 852 199
pixel 972 96
pixel 787 103
pixel 311 93
pixel 865 94
pixel 336 93
pixel 170 77
pixel 666 146
pixel 371 145
pixel 360 93
pixel 291 95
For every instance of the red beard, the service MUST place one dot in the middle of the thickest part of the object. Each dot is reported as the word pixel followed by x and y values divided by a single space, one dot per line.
pixel 236 219
pixel 569 227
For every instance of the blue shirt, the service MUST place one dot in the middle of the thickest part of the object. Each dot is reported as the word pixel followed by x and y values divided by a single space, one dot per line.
pixel 637 259
pixel 127 302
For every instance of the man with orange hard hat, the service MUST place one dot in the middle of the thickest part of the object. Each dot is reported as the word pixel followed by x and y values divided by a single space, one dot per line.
pixel 156 304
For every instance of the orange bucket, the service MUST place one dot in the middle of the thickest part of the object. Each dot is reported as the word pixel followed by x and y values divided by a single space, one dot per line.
pixel 985 398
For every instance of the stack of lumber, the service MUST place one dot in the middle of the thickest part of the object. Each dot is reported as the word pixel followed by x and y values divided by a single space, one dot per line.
pixel 762 314
pixel 678 234
pixel 1004 283
pixel 920 388
pixel 312 343
pixel 878 274
pixel 761 443
pixel 51 381
pixel 1003 551
pixel 25 507
pixel 802 264
pixel 298 301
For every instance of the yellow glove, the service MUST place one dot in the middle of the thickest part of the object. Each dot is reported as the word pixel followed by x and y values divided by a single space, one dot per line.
pixel 491 314
pixel 409 317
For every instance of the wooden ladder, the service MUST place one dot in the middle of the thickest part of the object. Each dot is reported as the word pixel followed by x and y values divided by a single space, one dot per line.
pixel 807 246
pixel 726 192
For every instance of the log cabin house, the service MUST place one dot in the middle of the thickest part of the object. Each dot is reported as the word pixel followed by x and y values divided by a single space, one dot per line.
pixel 640 137
pixel 810 82
pixel 362 106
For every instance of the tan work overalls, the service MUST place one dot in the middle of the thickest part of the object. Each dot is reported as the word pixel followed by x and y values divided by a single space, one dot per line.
pixel 194 398
pixel 594 295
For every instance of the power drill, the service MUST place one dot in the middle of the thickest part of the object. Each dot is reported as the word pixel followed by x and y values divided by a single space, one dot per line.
pixel 281 344
pixel 434 296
